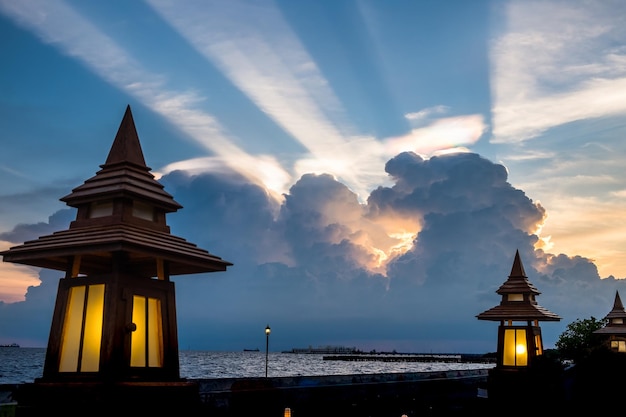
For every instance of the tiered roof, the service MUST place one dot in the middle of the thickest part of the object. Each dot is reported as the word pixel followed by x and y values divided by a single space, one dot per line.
pixel 123 180
pixel 616 319
pixel 511 308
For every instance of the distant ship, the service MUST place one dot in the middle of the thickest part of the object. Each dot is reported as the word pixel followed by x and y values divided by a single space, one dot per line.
pixel 251 350
pixel 11 345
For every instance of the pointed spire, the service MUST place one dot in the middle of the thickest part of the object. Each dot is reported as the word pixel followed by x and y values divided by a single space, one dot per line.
pixel 126 146
pixel 124 172
pixel 617 310
pixel 518 268
pixel 617 305
pixel 616 319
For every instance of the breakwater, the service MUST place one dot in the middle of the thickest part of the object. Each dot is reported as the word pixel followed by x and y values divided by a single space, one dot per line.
pixel 426 357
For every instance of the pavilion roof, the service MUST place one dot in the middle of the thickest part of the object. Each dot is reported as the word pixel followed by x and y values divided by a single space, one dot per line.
pixel 124 177
pixel 516 309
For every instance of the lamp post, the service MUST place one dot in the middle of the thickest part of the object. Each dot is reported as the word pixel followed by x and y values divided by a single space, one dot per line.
pixel 267 345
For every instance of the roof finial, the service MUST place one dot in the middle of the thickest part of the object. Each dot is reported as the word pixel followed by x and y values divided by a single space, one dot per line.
pixel 617 305
pixel 518 269
pixel 126 146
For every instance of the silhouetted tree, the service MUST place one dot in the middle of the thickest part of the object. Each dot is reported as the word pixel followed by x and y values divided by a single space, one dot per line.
pixel 578 340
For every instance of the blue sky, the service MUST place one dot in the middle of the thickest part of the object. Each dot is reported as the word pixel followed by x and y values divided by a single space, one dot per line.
pixel 369 167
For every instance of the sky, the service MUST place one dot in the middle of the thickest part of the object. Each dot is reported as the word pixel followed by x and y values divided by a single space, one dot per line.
pixel 370 168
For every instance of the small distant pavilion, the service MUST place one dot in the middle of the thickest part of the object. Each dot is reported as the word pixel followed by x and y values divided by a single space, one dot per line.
pixel 615 329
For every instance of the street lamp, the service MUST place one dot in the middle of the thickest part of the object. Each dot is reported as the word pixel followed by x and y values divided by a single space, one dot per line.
pixel 267 345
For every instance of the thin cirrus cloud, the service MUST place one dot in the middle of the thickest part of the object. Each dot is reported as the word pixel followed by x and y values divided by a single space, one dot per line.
pixel 558 83
pixel 58 24
pixel 268 63
pixel 270 66
pixel 554 66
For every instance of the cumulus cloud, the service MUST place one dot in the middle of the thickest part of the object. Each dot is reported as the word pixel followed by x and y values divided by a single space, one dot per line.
pixel 408 269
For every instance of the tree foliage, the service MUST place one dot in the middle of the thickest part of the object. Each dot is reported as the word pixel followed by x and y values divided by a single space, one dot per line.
pixel 578 340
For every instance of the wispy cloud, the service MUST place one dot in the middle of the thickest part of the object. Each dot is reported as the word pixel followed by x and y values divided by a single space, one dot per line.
pixel 442 134
pixel 58 24
pixel 425 114
pixel 557 63
pixel 559 101
pixel 268 63
pixel 256 49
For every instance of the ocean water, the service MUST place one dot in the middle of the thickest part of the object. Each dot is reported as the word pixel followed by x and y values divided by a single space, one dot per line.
pixel 23 365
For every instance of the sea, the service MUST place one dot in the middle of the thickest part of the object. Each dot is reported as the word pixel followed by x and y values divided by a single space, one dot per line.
pixel 22 365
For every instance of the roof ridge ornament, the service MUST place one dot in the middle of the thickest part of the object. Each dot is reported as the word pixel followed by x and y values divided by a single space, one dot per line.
pixel 126 147
pixel 518 268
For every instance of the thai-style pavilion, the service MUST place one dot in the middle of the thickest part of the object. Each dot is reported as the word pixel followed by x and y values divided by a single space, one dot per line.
pixel 615 329
pixel 519 341
pixel 115 314
pixel 518 344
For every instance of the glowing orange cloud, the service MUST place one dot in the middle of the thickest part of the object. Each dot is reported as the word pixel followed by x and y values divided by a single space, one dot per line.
pixel 15 279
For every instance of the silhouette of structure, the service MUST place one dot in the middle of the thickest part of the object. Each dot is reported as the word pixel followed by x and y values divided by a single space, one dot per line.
pixel 519 334
pixel 615 330
pixel 519 340
pixel 114 322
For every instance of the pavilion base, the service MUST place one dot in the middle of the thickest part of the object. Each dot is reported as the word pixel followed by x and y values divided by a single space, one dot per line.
pixel 108 399
pixel 525 390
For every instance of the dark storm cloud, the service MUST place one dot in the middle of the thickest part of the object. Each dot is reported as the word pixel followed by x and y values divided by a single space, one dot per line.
pixel 23 232
pixel 472 219
pixel 304 265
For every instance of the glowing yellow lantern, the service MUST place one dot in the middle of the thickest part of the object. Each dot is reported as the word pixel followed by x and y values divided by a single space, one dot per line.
pixel 115 312
pixel 614 332
pixel 519 334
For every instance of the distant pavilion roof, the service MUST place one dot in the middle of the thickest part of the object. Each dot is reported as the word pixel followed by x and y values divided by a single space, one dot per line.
pixel 616 319
pixel 124 177
pixel 512 309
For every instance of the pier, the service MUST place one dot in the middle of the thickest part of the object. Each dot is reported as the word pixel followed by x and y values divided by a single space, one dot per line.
pixel 401 357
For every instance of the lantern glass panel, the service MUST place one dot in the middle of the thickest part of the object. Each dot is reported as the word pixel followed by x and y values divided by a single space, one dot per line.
pixel 618 345
pixel 147 339
pixel 155 333
pixel 515 352
pixel 82 336
pixel 92 337
pixel 538 345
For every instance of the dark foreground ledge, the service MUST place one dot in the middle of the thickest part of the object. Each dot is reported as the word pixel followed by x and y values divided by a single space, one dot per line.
pixel 545 389
pixel 394 394
pixel 423 393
